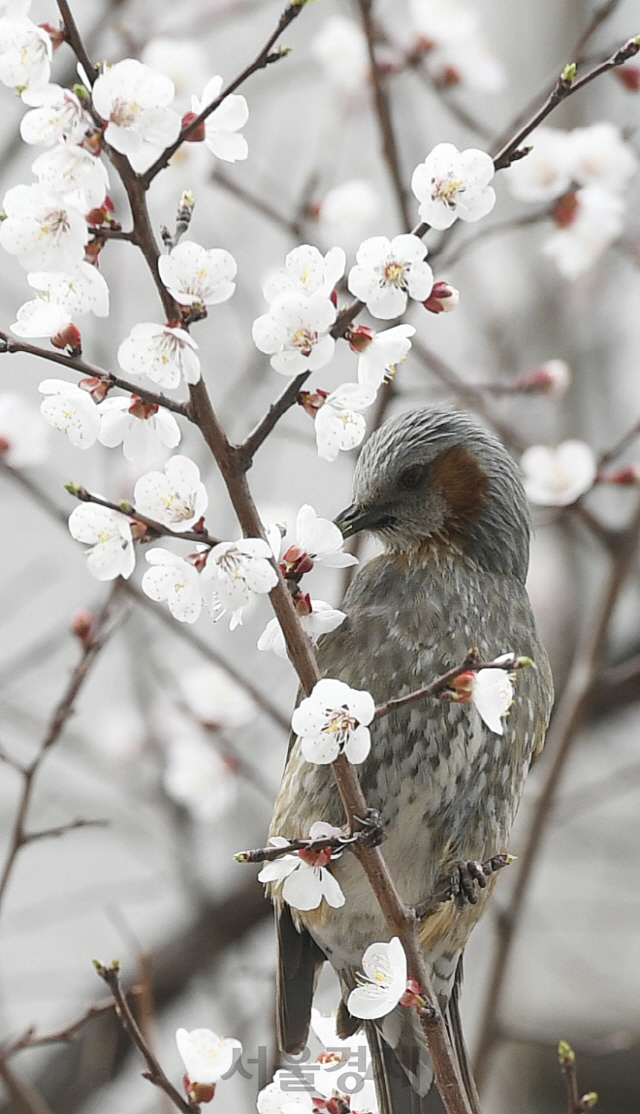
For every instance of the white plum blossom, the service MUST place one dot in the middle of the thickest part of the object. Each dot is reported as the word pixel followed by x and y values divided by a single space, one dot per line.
pixel 544 173
pixel 334 720
pixel 339 423
pixel 341 49
pixel 557 477
pixel 134 100
pixel 215 699
pixel 24 439
pixel 109 534
pixel 166 354
pixel 278 1097
pixel 304 874
pixel 70 410
pixel 206 1056
pixel 42 230
pixel 326 1031
pixel 224 123
pixel 58 115
pixel 183 60
pixel 142 430
pixel 234 573
pixel 25 54
pixel 295 333
pixel 306 271
pixel 492 696
pixel 195 276
pixel 40 318
pixel 82 289
pixel 388 272
pixel 321 539
pixel 197 777
pixel 383 983
pixel 451 184
pixel 442 20
pixel 468 61
pixel 597 222
pixel 599 156
pixel 174 581
pixel 346 212
pixel 176 497
pixel 382 355
pixel 321 619
pixel 76 175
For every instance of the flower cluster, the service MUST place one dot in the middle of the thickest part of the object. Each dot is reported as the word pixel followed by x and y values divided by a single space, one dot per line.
pixel 584 174
pixel 455 50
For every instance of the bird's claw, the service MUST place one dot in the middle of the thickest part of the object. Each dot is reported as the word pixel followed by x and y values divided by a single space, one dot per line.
pixel 465 880
pixel 369 832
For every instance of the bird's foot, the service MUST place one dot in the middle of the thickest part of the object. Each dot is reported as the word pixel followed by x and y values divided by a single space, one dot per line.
pixel 369 831
pixel 463 883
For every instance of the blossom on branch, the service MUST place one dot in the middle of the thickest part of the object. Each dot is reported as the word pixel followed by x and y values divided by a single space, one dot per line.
pixel 557 477
pixel 40 318
pixel 346 212
pixel 143 429
pixel 70 410
pixel 451 184
pixel 166 354
pixel 82 289
pixel 489 690
pixel 339 423
pixel 206 1057
pixel 384 981
pixel 234 573
pixel 388 272
pixel 58 114
pixel 380 353
pixel 595 221
pixel 74 174
pixel 25 54
pixel 195 276
pixel 42 230
pixel 341 49
pixel 134 101
pixel 174 581
pixel 333 720
pixel 321 539
pixel 306 271
pixel 295 333
pixel 109 534
pixel 175 497
pixel 317 618
pixel 223 124
pixel 304 874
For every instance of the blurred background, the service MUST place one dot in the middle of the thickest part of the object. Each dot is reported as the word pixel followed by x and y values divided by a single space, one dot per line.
pixel 179 735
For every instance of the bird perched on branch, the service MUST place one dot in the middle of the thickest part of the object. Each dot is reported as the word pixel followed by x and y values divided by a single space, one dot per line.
pixel 445 499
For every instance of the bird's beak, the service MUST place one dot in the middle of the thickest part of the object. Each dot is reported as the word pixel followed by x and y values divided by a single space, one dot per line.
pixel 355 518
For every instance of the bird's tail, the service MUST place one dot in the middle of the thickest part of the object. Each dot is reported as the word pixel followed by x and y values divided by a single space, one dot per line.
pixel 402 1067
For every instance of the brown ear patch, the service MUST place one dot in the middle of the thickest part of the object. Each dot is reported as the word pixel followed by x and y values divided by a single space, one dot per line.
pixel 457 473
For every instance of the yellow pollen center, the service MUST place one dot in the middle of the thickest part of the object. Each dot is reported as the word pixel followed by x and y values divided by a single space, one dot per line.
pixel 394 273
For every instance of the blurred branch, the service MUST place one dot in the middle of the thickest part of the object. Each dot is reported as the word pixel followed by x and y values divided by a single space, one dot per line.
pixel 24 1098
pixel 64 1034
pixel 566 723
pixel 257 202
pixel 64 709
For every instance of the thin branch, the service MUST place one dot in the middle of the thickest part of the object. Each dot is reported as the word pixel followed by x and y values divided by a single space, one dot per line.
pixel 155 1074
pixel 64 709
pixel 259 203
pixel 620 445
pixel 62 829
pixel 434 688
pixel 65 1034
pixel 383 114
pixel 565 725
pixel 261 431
pixel 9 344
pixel 263 59
pixel 72 35
pixel 24 1098
pixel 155 527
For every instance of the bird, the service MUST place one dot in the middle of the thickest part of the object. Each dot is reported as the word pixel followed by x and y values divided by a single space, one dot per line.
pixel 444 498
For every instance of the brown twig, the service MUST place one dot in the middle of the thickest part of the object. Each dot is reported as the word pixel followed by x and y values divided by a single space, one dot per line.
pixel 65 1034
pixel 62 829
pixel 288 398
pixel 565 725
pixel 259 203
pixel 64 709
pixel 263 59
pixel 576 1104
pixel 434 688
pixel 155 527
pixel 111 976
pixel 9 344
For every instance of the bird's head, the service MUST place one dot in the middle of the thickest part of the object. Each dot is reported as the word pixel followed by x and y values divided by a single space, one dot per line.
pixel 436 475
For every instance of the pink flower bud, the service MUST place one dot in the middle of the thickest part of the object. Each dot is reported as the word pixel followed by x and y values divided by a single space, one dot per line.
pixel 302 603
pixel 69 337
pixel 551 378
pixel 413 995
pixel 629 76
pixel 442 298
pixel 629 474
pixel 360 337
pixel 198 133
pixel 83 626
pixel 295 562
pixel 462 687
pixel 565 209
pixel 312 401
pixel 96 387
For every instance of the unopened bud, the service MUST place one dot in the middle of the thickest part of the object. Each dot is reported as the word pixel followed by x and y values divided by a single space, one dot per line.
pixel 565 209
pixel 442 298
pixel 295 561
pixel 569 73
pixel 302 603
pixel 629 76
pixel 628 475
pixel 461 688
pixel 312 401
pixel 84 627
pixel 551 378
pixel 197 134
pixel 566 1055
pixel 359 338
pixel 68 337
pixel 138 529
pixel 412 995
pixel 588 1101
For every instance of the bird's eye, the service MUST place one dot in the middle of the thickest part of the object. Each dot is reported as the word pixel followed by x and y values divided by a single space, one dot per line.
pixel 412 476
